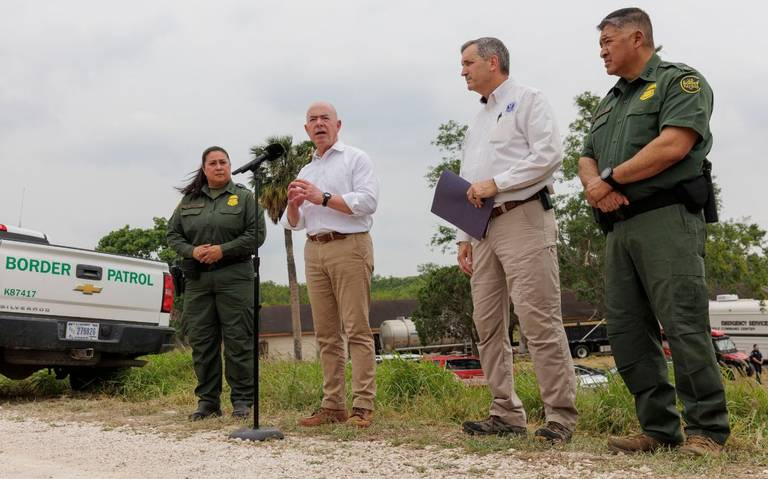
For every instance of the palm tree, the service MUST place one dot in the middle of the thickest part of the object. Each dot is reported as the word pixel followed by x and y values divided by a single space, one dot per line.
pixel 273 197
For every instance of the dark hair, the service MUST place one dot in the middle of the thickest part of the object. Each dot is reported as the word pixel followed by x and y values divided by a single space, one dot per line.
pixel 197 179
pixel 630 16
pixel 488 46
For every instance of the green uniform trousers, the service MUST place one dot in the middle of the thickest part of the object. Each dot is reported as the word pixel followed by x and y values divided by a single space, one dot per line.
pixel 655 274
pixel 219 306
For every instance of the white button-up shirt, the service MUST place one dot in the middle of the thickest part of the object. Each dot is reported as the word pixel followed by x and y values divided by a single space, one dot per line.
pixel 514 139
pixel 346 171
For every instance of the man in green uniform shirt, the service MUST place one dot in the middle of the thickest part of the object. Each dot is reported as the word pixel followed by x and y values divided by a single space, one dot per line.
pixel 214 229
pixel 644 155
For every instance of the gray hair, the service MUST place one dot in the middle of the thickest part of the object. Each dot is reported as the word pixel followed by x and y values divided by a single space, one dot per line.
pixel 630 16
pixel 489 46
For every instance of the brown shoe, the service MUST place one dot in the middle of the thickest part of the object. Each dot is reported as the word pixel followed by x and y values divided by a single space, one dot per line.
pixel 553 432
pixel 636 443
pixel 361 417
pixel 699 445
pixel 324 416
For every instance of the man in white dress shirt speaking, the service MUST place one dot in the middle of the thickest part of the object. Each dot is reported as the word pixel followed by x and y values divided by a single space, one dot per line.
pixel 333 198
pixel 511 150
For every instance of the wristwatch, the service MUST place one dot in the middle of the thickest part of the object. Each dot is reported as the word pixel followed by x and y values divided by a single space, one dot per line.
pixel 607 176
pixel 326 197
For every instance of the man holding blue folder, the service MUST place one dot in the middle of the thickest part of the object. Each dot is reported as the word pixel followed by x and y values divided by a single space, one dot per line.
pixel 511 150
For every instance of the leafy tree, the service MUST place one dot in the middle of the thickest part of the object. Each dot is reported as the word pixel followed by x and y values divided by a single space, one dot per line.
pixel 736 258
pixel 450 140
pixel 445 306
pixel 273 196
pixel 581 243
pixel 144 243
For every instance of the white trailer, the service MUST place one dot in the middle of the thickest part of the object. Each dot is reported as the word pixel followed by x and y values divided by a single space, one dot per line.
pixel 744 320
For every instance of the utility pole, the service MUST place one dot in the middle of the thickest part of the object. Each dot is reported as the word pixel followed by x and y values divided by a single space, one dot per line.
pixel 21 210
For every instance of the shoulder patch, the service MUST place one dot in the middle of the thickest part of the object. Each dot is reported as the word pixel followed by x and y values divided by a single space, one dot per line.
pixel 690 84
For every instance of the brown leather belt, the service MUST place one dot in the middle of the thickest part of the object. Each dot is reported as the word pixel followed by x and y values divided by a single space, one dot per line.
pixel 326 237
pixel 511 205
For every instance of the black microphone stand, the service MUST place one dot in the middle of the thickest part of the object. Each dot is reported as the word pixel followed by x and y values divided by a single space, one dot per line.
pixel 256 433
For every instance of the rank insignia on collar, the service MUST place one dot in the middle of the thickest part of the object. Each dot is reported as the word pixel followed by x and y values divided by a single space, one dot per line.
pixel 690 84
pixel 511 107
pixel 232 201
pixel 649 91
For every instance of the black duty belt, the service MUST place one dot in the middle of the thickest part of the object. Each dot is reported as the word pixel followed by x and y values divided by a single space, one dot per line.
pixel 657 200
pixel 223 263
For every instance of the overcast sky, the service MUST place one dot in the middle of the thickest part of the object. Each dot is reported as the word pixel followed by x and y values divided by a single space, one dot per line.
pixel 105 106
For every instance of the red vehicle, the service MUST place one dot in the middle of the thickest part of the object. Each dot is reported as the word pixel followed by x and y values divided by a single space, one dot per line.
pixel 727 355
pixel 465 367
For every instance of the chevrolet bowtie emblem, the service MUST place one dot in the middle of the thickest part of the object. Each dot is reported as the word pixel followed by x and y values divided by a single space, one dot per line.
pixel 88 289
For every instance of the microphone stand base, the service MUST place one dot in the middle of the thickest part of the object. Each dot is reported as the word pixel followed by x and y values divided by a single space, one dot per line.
pixel 261 434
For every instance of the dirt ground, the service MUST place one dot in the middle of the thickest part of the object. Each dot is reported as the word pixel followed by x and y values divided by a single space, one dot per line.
pixel 86 437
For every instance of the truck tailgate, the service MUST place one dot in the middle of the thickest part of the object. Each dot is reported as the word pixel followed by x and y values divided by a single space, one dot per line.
pixel 49 280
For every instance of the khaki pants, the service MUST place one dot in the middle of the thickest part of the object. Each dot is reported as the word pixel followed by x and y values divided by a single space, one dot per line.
pixel 339 284
pixel 518 260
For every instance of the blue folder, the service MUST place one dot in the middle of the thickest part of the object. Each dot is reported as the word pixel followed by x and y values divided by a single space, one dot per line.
pixel 450 203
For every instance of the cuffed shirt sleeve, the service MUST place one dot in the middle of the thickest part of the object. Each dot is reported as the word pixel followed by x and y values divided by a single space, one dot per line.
pixel 364 197
pixel 300 225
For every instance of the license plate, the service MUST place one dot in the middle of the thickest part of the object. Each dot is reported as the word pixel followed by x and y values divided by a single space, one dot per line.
pixel 82 331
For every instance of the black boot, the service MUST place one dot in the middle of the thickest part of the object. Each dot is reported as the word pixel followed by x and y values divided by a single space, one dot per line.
pixel 204 410
pixel 241 410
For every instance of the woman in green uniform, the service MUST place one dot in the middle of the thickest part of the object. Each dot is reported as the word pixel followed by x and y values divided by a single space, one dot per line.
pixel 214 230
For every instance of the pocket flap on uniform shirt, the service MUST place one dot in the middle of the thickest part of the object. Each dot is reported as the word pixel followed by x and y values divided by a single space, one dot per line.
pixel 231 210
pixel 645 107
pixel 191 210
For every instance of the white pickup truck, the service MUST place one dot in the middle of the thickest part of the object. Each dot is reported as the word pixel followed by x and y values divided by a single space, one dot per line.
pixel 78 312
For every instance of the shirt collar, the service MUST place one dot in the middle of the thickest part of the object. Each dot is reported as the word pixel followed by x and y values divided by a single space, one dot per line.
pixel 499 92
pixel 648 75
pixel 229 188
pixel 338 146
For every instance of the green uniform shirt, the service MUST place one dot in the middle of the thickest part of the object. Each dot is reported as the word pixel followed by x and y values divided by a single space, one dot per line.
pixel 634 113
pixel 227 219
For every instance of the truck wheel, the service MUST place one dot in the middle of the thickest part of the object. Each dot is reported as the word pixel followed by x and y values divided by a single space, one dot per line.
pixel 87 379
pixel 581 351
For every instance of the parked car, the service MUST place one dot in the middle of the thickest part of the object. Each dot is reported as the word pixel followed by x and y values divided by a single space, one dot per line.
pixel 406 356
pixel 465 367
pixel 590 377
pixel 735 362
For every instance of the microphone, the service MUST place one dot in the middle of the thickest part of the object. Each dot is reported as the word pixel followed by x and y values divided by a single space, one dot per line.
pixel 275 150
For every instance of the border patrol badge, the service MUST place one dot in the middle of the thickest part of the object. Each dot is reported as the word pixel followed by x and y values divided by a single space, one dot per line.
pixel 690 84
pixel 232 201
pixel 649 91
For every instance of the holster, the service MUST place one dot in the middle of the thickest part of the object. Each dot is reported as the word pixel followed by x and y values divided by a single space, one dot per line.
pixel 178 279
pixel 698 194
pixel 604 221
pixel 190 268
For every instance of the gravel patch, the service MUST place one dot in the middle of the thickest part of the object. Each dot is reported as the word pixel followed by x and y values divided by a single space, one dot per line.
pixel 38 449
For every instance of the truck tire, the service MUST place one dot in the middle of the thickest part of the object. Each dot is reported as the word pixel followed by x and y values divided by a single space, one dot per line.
pixel 88 379
pixel 580 351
